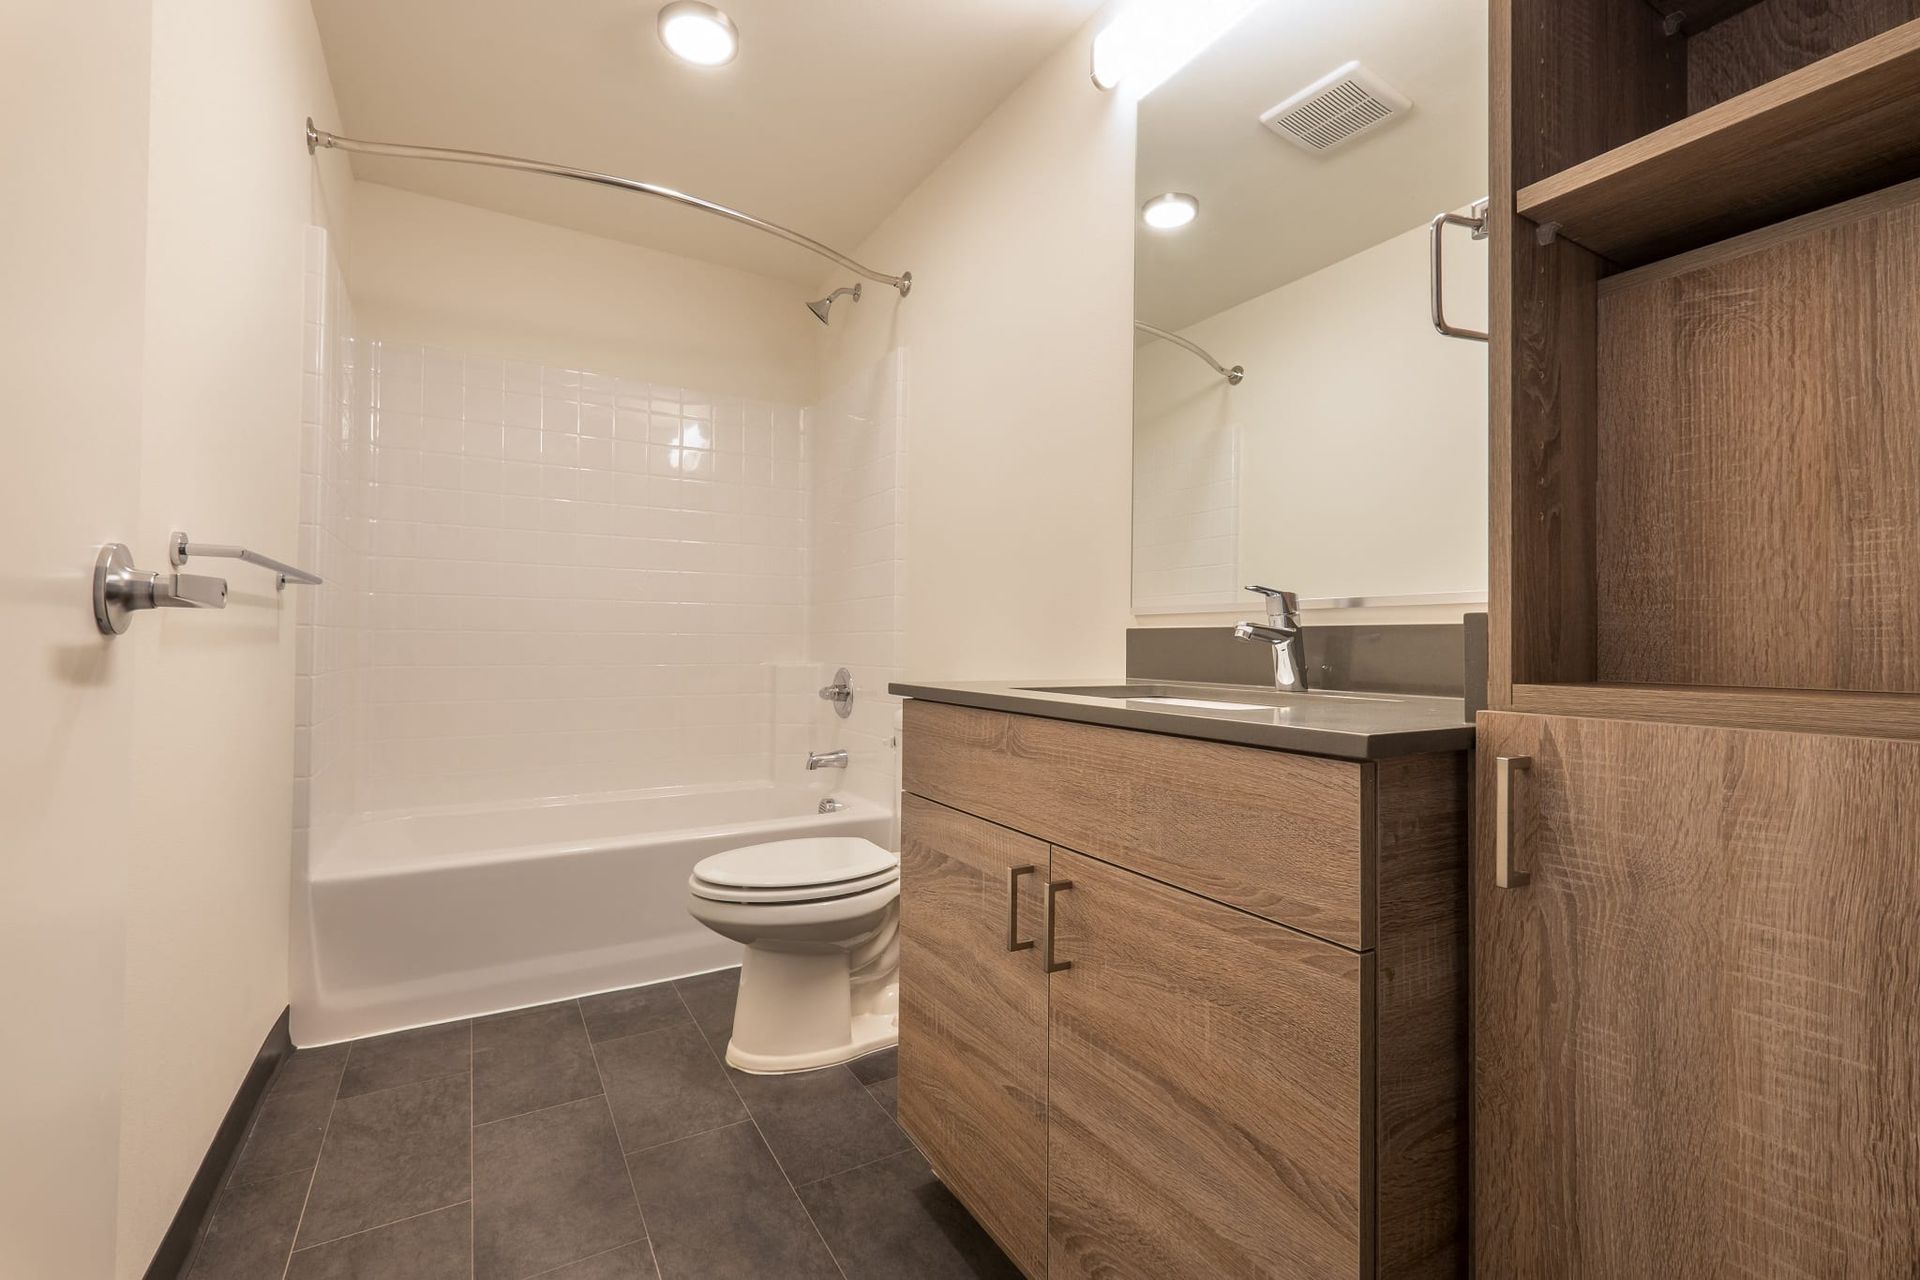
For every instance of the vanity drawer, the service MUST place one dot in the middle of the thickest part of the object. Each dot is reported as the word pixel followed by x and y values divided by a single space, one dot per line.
pixel 1279 835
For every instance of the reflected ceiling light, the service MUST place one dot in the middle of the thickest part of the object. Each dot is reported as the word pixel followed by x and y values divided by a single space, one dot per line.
pixel 1149 40
pixel 698 33
pixel 1170 211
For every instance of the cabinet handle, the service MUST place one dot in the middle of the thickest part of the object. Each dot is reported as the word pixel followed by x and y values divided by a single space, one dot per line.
pixel 1013 909
pixel 1053 891
pixel 1504 767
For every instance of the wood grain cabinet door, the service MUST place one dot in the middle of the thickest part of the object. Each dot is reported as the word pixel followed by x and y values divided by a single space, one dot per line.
pixel 973 1019
pixel 1206 1086
pixel 1697 1024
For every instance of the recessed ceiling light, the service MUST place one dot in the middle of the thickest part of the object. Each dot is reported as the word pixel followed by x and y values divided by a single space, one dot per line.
pixel 1170 211
pixel 698 33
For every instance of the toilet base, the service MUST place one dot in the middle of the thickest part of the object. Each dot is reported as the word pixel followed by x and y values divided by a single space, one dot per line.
pixel 871 1032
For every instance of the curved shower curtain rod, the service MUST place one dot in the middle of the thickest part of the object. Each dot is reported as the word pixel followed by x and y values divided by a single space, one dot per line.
pixel 1233 375
pixel 317 138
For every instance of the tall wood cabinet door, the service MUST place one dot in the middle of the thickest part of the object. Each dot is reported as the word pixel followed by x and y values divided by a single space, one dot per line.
pixel 1206 1088
pixel 973 1018
pixel 1697 1023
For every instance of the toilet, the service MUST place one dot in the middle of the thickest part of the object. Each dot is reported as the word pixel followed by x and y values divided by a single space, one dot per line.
pixel 819 921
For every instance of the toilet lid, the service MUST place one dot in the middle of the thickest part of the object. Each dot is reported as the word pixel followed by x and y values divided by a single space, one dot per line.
pixel 801 893
pixel 793 864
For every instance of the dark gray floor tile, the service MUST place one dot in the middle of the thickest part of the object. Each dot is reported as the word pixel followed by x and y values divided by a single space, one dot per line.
pixel 710 998
pixel 311 1069
pixel 286 1134
pixel 251 1229
pixel 405 1057
pixel 391 1155
pixel 892 1218
pixel 818 1123
pixel 433 1246
pixel 613 1014
pixel 549 1188
pixel 887 1094
pixel 531 1059
pixel 720 1209
pixel 635 1262
pixel 665 1085
pixel 875 1067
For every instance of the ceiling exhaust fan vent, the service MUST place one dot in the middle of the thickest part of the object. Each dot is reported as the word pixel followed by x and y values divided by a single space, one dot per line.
pixel 1336 108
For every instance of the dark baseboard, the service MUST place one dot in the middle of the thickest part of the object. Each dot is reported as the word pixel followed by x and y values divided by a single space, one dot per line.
pixel 176 1247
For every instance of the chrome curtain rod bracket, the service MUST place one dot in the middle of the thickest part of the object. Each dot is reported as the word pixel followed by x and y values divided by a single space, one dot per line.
pixel 180 548
pixel 1234 376
pixel 318 138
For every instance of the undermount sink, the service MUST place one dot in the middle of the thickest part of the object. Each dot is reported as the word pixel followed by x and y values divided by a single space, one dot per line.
pixel 1206 697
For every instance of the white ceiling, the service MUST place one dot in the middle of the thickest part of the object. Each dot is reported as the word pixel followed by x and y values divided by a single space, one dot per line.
pixel 1270 212
pixel 833 111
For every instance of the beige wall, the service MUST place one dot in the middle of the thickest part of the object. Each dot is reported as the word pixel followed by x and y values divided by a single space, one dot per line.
pixel 230 191
pixel 482 283
pixel 1017 359
pixel 1362 431
pixel 73 124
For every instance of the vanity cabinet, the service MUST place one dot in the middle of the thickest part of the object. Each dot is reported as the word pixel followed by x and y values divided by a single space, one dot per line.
pixel 1702 974
pixel 1217 1029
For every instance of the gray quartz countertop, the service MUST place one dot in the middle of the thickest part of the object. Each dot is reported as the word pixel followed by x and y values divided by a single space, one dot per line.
pixel 1345 725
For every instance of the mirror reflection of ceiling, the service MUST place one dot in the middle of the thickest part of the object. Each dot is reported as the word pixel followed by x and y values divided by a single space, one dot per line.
pixel 1271 212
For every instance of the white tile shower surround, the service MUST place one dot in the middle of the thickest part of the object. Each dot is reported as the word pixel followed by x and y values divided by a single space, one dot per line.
pixel 547 587
pixel 1186 520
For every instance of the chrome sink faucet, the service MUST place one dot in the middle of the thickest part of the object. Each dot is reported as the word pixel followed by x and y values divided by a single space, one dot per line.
pixel 1282 631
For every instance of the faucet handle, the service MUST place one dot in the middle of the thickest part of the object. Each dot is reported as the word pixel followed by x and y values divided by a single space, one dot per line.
pixel 1280 604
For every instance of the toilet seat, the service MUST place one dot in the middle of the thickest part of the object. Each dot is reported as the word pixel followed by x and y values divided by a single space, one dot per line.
pixel 806 870
pixel 795 893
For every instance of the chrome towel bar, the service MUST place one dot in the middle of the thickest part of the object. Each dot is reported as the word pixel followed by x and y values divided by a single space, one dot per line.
pixel 1477 220
pixel 180 548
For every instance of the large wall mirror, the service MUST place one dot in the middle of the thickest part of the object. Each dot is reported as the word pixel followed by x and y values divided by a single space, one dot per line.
pixel 1348 464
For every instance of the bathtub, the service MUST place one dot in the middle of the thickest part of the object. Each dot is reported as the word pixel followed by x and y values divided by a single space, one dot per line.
pixel 411 919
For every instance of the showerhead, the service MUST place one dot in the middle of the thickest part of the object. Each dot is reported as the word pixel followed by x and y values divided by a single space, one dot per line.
pixel 824 305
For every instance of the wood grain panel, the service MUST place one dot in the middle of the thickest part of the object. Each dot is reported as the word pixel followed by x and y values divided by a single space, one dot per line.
pixel 1759 479
pixel 1765 41
pixel 1697 1048
pixel 1207 1089
pixel 1839 128
pixel 1275 834
pixel 1420 1016
pixel 973 1021
pixel 1570 79
pixel 1878 715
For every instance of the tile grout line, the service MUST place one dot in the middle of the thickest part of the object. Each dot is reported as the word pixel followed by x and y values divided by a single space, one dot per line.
pixel 864 1164
pixel 619 1143
pixel 313 1177
pixel 380 1226
pixel 761 1133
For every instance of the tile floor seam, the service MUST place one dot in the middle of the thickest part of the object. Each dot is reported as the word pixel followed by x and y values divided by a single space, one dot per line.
pixel 551 1106
pixel 439 1208
pixel 686 1137
pixel 619 1143
pixel 642 1035
pixel 577 1261
pixel 864 1164
pixel 406 1084
pixel 313 1174
pixel 762 1135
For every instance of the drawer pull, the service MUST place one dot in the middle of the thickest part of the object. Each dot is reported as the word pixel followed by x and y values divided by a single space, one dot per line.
pixel 1504 767
pixel 1053 891
pixel 1013 909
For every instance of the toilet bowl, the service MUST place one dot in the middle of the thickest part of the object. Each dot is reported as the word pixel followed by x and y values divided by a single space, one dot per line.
pixel 819 923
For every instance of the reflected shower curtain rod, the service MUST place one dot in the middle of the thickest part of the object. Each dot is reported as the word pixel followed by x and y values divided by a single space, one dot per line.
pixel 317 138
pixel 1233 375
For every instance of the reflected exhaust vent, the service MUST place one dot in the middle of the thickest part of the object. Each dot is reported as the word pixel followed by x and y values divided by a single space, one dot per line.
pixel 1336 109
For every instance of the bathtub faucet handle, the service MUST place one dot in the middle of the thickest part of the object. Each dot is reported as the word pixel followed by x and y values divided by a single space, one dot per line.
pixel 826 759
pixel 840 693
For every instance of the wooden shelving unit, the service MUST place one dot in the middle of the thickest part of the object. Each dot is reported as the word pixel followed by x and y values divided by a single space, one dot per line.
pixel 1843 126
pixel 1880 715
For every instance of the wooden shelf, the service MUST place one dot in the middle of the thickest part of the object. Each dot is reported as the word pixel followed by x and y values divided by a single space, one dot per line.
pixel 1698 15
pixel 1845 125
pixel 1869 715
